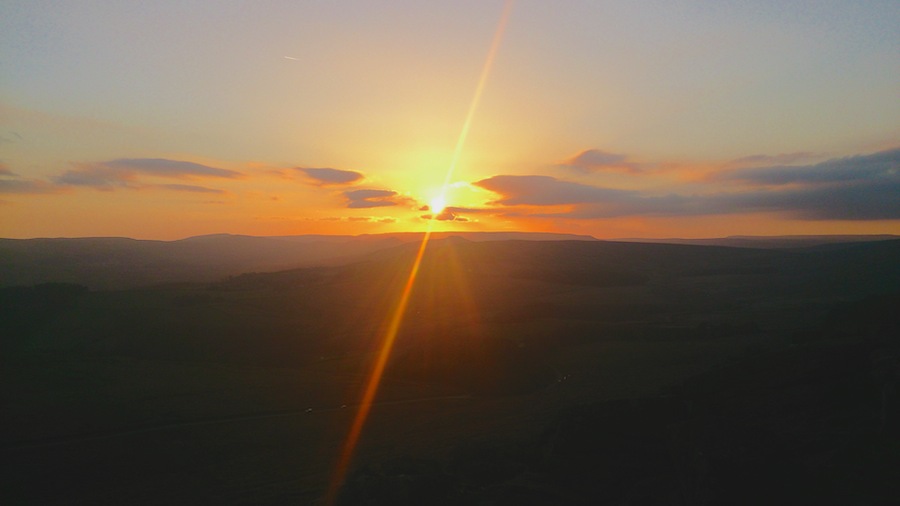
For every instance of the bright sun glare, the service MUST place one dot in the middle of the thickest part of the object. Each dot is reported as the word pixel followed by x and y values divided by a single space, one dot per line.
pixel 437 204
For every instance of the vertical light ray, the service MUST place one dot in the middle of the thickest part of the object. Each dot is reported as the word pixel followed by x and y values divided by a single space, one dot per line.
pixel 396 320
pixel 374 381
pixel 482 80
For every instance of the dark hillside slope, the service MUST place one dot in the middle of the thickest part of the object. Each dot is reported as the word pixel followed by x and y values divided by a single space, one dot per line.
pixel 811 424
pixel 478 308
pixel 243 389
pixel 112 263
pixel 116 263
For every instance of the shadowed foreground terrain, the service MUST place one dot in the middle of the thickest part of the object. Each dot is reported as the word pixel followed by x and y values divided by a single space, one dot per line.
pixel 557 372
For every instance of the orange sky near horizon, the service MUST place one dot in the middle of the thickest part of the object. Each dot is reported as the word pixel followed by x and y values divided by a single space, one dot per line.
pixel 600 118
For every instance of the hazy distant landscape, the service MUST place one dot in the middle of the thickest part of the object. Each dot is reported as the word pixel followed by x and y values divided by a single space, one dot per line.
pixel 542 371
pixel 486 253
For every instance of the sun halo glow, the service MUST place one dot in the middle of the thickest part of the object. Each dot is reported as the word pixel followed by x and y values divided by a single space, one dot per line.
pixel 437 204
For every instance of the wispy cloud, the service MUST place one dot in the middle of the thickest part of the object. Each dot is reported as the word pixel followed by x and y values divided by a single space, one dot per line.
pixel 189 188
pixel 363 199
pixel 327 176
pixel 546 191
pixel 367 219
pixel 126 172
pixel 96 176
pixel 595 160
pixel 780 159
pixel 26 186
pixel 170 168
pixel 10 138
pixel 12 183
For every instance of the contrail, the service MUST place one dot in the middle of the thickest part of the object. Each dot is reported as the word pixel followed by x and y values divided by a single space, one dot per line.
pixel 390 336
pixel 291 58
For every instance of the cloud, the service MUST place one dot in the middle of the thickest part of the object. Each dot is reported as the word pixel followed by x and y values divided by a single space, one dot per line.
pixel 12 183
pixel 547 191
pixel 25 186
pixel 125 172
pixel 169 168
pixel 884 165
pixel 363 199
pixel 447 214
pixel 859 201
pixel 332 176
pixel 862 187
pixel 781 159
pixel 10 138
pixel 189 188
pixel 595 160
pixel 369 219
pixel 96 176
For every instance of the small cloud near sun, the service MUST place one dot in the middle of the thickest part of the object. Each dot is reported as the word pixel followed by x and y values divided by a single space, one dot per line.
pixel 328 176
pixel 363 199
pixel 446 214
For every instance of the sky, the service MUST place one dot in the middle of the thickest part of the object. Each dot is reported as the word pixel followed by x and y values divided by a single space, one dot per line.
pixel 167 119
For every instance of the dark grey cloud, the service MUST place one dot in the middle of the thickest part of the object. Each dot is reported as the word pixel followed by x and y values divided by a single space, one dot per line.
pixel 884 165
pixel 854 202
pixel 327 176
pixel 868 200
pixel 595 160
pixel 363 199
pixel 864 187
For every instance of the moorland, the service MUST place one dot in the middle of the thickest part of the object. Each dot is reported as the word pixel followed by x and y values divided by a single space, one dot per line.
pixel 527 370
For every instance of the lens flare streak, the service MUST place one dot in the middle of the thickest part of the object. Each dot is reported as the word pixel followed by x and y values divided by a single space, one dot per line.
pixel 482 80
pixel 396 320
pixel 374 381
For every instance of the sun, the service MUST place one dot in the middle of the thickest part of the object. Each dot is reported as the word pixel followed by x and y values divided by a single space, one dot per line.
pixel 437 204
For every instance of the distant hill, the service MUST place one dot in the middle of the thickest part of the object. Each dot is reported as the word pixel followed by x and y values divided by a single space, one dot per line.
pixel 497 306
pixel 771 242
pixel 118 262
pixel 487 236
pixel 115 262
